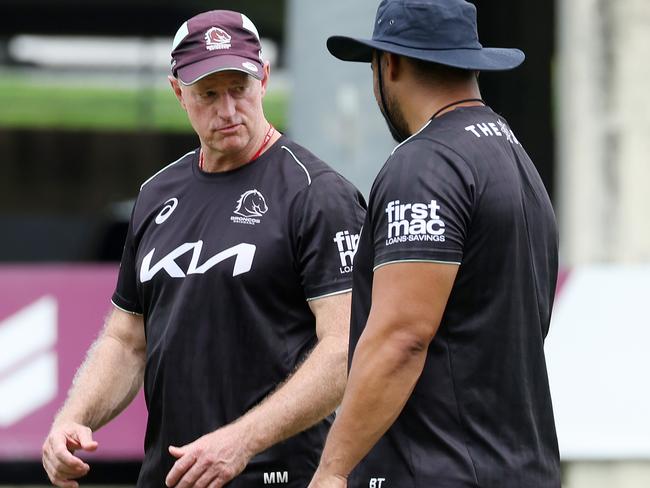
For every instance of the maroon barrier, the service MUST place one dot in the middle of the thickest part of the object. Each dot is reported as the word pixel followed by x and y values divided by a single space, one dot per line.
pixel 49 316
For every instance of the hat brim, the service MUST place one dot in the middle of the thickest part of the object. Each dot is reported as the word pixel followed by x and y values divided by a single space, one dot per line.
pixel 485 59
pixel 190 74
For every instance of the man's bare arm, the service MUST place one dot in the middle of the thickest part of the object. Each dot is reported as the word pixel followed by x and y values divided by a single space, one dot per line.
pixel 309 395
pixel 316 388
pixel 408 300
pixel 104 385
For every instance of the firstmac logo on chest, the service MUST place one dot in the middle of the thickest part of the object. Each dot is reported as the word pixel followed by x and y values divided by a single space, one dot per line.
pixel 409 222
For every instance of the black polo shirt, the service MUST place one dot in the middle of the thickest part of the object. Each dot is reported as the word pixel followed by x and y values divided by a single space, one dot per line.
pixel 222 266
pixel 464 191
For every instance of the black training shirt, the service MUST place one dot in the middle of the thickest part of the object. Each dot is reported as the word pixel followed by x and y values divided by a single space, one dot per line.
pixel 222 266
pixel 464 191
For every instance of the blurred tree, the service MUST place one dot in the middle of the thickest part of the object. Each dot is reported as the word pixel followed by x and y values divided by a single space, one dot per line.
pixel 128 17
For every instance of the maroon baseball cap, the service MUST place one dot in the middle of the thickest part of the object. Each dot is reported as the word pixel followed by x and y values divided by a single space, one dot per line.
pixel 215 41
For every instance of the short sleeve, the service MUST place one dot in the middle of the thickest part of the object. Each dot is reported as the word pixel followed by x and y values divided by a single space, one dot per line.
pixel 328 216
pixel 125 296
pixel 422 206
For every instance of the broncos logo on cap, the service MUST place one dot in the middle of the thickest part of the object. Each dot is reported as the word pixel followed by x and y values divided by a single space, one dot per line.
pixel 216 38
pixel 251 204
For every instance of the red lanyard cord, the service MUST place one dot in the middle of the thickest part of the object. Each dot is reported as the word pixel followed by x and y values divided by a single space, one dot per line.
pixel 265 142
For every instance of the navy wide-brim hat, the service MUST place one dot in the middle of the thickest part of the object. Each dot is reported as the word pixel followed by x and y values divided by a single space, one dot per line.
pixel 439 31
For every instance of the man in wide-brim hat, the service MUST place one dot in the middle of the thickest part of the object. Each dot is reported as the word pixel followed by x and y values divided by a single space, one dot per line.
pixel 454 276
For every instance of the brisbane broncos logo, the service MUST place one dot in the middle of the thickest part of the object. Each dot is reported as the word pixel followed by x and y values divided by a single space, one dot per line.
pixel 251 204
pixel 216 38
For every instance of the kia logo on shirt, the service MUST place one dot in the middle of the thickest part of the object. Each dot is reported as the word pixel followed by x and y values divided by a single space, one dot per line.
pixel 243 253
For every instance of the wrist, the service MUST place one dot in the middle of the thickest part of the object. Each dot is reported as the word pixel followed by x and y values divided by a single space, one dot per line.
pixel 61 420
pixel 248 437
pixel 66 417
pixel 333 467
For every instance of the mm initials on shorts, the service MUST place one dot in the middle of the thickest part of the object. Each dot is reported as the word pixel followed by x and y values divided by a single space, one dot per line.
pixel 276 477
pixel 376 482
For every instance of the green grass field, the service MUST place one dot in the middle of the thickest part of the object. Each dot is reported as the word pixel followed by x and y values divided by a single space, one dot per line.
pixel 27 104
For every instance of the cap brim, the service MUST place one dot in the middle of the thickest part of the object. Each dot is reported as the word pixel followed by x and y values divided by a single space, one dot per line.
pixel 485 59
pixel 194 72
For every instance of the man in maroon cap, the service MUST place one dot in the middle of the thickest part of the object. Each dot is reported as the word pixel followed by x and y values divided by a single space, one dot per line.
pixel 232 303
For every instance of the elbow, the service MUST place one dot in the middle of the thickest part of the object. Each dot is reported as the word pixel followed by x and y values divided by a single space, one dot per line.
pixel 403 352
pixel 406 332
pixel 393 356
pixel 409 343
pixel 415 345
pixel 401 342
pixel 333 350
pixel 410 336
pixel 336 346
pixel 339 361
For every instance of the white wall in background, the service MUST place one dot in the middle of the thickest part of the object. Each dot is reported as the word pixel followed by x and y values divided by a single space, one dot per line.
pixel 598 357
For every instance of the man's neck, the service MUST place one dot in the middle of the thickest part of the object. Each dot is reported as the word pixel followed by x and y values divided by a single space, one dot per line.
pixel 217 162
pixel 421 104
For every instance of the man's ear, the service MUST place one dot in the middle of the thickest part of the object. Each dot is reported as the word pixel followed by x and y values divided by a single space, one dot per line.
pixel 176 87
pixel 394 66
pixel 265 79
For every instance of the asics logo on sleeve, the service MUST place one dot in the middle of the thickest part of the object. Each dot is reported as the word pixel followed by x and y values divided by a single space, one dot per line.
pixel 408 222
pixel 169 207
pixel 243 253
pixel 347 246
